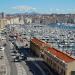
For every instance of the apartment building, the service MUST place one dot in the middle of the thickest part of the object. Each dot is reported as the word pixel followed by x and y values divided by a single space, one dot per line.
pixel 3 22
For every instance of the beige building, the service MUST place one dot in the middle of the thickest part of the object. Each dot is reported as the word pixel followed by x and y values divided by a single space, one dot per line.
pixel 3 22
pixel 14 20
pixel 28 20
pixel 61 62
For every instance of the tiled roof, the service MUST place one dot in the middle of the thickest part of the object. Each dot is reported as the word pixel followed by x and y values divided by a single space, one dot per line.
pixel 64 57
pixel 39 42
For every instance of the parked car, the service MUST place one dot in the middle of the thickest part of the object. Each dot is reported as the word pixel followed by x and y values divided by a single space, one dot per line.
pixel 2 48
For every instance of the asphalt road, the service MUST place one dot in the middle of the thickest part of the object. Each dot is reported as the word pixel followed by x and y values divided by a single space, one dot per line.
pixel 11 64
pixel 31 67
pixel 37 67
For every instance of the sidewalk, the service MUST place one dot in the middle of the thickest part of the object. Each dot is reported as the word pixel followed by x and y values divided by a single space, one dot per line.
pixel 4 65
pixel 7 66
pixel 20 69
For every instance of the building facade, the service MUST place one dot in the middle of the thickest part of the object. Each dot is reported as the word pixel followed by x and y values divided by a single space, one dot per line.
pixel 3 22
pixel 61 62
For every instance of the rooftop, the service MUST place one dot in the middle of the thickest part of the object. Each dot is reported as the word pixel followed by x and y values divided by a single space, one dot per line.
pixel 61 55
pixel 39 42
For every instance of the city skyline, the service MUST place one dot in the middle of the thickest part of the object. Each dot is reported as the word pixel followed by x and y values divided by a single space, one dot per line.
pixel 39 6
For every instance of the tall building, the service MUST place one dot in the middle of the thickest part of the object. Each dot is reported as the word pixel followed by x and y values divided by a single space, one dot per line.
pixel 2 15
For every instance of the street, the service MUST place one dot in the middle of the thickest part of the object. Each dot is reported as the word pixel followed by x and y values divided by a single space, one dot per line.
pixel 11 64
pixel 30 65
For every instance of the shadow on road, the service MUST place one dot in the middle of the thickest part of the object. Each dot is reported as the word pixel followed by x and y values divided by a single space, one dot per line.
pixel 32 67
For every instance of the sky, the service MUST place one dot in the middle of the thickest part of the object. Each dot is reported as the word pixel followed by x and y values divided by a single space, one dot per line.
pixel 40 6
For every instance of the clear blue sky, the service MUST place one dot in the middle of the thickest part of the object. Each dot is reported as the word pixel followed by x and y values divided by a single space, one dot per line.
pixel 42 6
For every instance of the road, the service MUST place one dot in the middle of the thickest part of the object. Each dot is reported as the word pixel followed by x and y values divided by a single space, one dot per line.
pixel 28 67
pixel 33 67
pixel 35 64
pixel 16 67
pixel 12 65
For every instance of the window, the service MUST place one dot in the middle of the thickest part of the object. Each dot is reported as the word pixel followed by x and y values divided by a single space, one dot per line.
pixel 62 72
pixel 72 72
